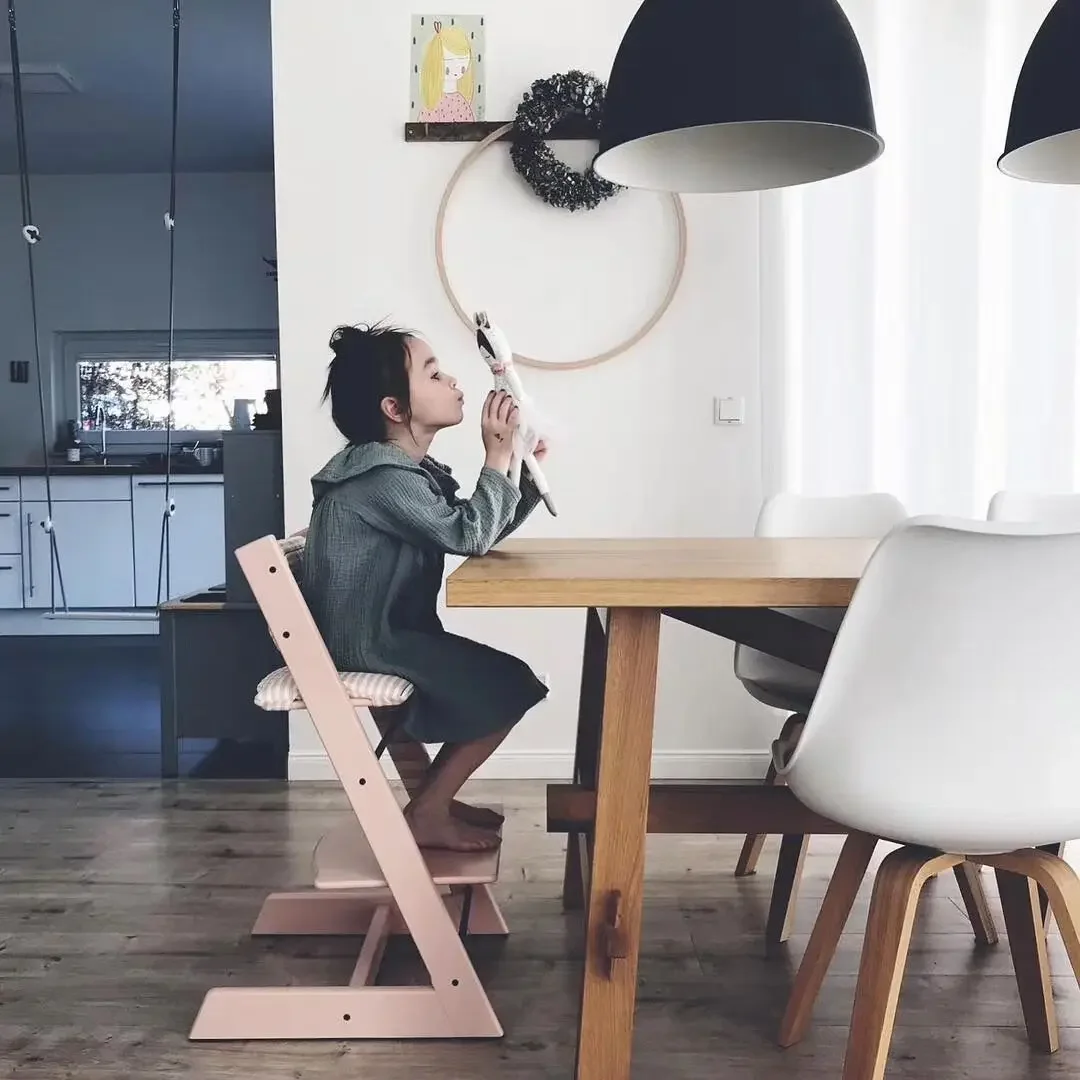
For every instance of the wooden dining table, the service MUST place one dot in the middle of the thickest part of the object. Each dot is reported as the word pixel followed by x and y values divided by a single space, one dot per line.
pixel 729 587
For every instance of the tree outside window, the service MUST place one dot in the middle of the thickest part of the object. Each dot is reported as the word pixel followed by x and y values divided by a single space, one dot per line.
pixel 134 393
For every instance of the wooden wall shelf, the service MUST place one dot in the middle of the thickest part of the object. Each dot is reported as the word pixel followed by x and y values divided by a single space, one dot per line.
pixel 573 127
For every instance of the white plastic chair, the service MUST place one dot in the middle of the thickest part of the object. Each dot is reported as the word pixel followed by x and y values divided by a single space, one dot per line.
pixel 782 685
pixel 953 673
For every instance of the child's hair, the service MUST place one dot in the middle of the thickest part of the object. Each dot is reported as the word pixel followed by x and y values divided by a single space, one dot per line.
pixel 446 39
pixel 370 363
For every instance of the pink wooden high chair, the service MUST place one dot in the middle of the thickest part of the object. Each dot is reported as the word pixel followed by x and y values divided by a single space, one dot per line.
pixel 369 876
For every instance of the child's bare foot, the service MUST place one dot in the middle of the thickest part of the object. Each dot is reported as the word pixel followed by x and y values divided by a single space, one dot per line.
pixel 480 816
pixel 442 830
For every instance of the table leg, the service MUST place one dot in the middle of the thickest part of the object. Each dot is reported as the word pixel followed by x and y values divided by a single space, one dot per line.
pixel 590 713
pixel 613 931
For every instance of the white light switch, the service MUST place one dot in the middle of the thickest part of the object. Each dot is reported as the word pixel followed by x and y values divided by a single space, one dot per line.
pixel 729 410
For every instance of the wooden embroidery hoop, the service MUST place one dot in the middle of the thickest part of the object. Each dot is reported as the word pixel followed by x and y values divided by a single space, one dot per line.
pixel 528 361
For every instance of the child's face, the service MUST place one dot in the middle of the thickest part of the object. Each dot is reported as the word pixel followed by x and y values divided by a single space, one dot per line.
pixel 434 397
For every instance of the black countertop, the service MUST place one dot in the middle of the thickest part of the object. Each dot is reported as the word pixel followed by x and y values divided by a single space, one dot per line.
pixel 63 469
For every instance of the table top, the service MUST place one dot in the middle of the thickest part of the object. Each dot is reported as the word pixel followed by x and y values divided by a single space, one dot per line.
pixel 720 572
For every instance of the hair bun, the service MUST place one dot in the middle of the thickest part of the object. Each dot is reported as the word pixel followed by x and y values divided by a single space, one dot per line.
pixel 345 336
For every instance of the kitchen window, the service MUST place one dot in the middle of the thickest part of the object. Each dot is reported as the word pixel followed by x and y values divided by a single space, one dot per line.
pixel 125 378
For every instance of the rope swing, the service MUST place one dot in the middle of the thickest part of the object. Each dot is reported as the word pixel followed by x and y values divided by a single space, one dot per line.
pixel 32 235
pixel 164 546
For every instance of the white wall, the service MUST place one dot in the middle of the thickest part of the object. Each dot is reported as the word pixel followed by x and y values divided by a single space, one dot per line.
pixel 639 455
pixel 102 264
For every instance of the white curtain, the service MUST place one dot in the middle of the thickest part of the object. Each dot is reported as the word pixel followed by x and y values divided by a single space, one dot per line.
pixel 920 317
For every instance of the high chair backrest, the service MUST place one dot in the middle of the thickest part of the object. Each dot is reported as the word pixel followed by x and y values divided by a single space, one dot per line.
pixel 947 713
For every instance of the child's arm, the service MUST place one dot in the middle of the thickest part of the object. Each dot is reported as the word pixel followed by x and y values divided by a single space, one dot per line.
pixel 530 500
pixel 403 503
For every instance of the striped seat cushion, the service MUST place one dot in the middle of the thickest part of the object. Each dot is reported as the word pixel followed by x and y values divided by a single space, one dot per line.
pixel 278 691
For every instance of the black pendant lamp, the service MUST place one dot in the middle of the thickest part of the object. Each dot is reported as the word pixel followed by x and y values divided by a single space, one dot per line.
pixel 736 95
pixel 1043 143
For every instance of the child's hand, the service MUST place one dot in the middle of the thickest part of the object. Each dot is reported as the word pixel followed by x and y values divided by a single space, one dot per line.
pixel 498 423
pixel 540 450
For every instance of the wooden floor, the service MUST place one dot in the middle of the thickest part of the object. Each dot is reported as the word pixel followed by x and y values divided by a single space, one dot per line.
pixel 120 904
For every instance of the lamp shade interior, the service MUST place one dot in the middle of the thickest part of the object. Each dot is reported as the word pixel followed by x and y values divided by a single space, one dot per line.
pixel 753 156
pixel 736 95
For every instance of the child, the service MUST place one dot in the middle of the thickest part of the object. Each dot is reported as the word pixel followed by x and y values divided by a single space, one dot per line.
pixel 385 515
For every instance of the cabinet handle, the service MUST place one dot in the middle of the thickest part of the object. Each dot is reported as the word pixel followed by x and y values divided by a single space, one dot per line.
pixel 5 515
pixel 30 553
pixel 189 483
pixel 7 567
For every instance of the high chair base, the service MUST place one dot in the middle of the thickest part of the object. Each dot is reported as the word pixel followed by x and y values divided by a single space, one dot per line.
pixel 341 1012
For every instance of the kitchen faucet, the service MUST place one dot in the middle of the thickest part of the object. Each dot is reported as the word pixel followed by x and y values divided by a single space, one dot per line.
pixel 99 418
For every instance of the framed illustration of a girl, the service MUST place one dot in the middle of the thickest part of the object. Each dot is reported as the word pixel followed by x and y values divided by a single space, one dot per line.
pixel 447 69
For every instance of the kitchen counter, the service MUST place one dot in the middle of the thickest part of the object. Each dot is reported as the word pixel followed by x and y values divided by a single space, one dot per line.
pixel 97 469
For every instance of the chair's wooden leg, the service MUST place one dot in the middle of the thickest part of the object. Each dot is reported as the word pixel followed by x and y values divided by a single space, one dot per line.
pixel 747 862
pixel 974 897
pixel 1027 942
pixel 785 889
pixel 1059 882
pixel 586 750
pixel 1055 879
pixel 899 881
pixel 574 887
pixel 835 908
pixel 1044 900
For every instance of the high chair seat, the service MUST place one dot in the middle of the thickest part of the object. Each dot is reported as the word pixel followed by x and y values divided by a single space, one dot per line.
pixel 278 691
pixel 344 860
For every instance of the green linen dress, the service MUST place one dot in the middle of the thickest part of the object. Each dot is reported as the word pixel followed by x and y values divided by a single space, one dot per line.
pixel 381 526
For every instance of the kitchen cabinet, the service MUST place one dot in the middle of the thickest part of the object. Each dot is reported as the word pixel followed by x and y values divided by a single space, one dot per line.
pixel 196 536
pixel 95 552
pixel 11 586
pixel 10 531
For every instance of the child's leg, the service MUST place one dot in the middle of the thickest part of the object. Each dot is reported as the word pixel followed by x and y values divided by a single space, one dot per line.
pixel 430 816
pixel 414 765
pixel 480 816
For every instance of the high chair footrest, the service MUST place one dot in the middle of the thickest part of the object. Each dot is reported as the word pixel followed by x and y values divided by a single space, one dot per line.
pixel 344 860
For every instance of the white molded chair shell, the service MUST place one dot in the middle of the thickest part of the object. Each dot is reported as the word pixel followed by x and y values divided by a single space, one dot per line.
pixel 775 682
pixel 1057 508
pixel 947 714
